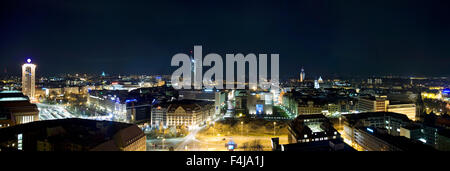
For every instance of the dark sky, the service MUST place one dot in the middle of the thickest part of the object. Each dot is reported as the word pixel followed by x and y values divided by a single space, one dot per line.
pixel 338 36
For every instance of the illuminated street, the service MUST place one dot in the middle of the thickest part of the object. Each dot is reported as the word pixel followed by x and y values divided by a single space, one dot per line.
pixel 49 112
pixel 198 140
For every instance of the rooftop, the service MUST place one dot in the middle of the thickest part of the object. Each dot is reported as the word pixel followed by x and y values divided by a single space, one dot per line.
pixel 319 146
pixel 84 132
pixel 401 142
pixel 358 116
pixel 2 99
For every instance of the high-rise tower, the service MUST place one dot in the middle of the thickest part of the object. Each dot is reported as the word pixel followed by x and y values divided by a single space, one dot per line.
pixel 302 75
pixel 28 79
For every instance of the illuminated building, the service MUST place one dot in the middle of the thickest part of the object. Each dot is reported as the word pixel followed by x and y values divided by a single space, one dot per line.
pixel 259 103
pixel 325 146
pixel 219 101
pixel 110 102
pixel 333 108
pixel 376 139
pixel 207 94
pixel 310 128
pixel 431 95
pixel 427 134
pixel 320 80
pixel 195 66
pixel 406 109
pixel 73 135
pixel 15 108
pixel 392 122
pixel 138 113
pixel 316 84
pixel 302 75
pixel 290 103
pixel 158 117
pixel 374 81
pixel 373 104
pixel 71 90
pixel 309 108
pixel 187 113
pixel 28 79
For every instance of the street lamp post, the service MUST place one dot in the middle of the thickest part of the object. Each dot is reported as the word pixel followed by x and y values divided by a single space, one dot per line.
pixel 242 127
pixel 274 123
pixel 214 129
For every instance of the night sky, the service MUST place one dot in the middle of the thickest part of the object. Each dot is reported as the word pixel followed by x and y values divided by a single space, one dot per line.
pixel 381 37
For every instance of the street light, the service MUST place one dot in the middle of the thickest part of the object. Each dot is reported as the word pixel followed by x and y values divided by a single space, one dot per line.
pixel 214 128
pixel 274 123
pixel 242 127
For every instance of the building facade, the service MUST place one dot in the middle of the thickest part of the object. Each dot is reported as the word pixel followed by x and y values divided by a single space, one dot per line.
pixel 373 104
pixel 311 128
pixel 73 135
pixel 410 110
pixel 28 79
pixel 392 122
pixel 15 108
pixel 377 139
pixel 110 102
pixel 187 113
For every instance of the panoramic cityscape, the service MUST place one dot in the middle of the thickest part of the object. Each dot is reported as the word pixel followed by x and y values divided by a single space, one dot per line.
pixel 99 77
pixel 383 113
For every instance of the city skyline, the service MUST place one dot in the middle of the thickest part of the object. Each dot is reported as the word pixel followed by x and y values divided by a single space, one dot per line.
pixel 398 38
pixel 306 75
pixel 296 75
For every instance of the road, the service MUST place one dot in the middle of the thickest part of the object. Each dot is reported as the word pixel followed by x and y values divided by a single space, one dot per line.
pixel 190 138
pixel 49 112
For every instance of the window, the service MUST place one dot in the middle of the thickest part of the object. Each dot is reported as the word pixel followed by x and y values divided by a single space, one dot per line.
pixel 19 141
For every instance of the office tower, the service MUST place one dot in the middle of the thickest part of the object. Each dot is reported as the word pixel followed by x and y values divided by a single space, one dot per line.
pixel 373 104
pixel 196 66
pixel 28 79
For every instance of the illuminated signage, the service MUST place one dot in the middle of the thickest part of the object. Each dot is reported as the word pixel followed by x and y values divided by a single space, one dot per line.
pixel 446 91
pixel 259 108
pixel 130 100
